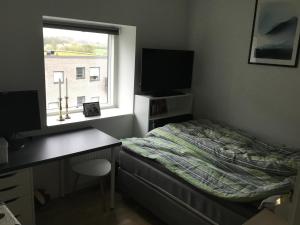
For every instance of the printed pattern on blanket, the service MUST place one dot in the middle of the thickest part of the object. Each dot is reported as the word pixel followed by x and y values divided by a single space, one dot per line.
pixel 219 160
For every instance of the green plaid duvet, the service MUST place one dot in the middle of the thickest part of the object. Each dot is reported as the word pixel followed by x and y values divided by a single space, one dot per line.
pixel 219 160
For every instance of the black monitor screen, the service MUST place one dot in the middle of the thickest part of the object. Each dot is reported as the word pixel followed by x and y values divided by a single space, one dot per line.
pixel 166 69
pixel 19 111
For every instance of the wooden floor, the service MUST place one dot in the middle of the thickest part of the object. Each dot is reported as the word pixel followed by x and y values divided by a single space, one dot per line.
pixel 86 208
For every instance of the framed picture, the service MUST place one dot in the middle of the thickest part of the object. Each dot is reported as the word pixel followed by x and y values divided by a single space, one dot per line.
pixel 275 33
pixel 91 109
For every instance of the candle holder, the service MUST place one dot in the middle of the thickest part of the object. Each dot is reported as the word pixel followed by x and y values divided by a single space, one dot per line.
pixel 67 107
pixel 60 110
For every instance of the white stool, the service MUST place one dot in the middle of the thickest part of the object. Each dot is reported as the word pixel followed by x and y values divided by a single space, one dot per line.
pixel 94 168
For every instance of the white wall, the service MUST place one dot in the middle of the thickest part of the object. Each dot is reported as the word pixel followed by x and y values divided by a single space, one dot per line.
pixel 263 100
pixel 159 24
pixel 126 55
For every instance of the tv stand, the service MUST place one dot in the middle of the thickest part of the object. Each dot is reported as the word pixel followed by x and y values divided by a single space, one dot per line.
pixel 151 112
pixel 166 93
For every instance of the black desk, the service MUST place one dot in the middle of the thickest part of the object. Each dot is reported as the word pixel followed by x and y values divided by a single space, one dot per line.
pixel 60 146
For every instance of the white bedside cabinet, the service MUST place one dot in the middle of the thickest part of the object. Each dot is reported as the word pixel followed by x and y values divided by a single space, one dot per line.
pixel 145 117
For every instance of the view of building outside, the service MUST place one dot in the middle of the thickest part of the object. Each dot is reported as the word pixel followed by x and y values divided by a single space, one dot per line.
pixel 82 59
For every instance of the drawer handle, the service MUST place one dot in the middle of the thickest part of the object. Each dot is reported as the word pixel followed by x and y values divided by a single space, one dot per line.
pixel 8 188
pixel 11 200
pixel 7 175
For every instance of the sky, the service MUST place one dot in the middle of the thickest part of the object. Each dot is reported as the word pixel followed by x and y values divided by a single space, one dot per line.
pixel 80 36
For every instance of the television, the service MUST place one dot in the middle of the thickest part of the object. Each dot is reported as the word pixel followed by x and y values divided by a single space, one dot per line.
pixel 166 70
pixel 19 111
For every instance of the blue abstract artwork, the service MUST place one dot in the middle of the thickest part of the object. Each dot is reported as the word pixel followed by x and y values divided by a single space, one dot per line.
pixel 275 37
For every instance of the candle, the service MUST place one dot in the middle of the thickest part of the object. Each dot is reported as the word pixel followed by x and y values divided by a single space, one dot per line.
pixel 59 88
pixel 66 87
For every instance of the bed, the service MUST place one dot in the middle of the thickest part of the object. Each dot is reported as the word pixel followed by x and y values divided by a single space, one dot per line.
pixel 202 172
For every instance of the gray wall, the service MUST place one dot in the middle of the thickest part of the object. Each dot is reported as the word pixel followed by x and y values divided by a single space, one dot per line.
pixel 263 100
pixel 159 24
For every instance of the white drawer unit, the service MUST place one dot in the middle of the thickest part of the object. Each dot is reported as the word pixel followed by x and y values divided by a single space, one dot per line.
pixel 16 192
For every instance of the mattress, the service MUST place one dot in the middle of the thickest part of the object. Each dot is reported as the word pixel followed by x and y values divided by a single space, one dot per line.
pixel 219 160
pixel 155 175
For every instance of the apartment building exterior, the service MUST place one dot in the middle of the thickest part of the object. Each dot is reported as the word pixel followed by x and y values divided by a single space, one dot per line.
pixel 87 78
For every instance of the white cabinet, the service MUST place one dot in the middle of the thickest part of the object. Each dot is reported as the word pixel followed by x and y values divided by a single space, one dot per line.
pixel 148 110
pixel 16 192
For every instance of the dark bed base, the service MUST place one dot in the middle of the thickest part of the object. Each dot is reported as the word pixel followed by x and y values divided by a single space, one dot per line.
pixel 160 204
pixel 173 200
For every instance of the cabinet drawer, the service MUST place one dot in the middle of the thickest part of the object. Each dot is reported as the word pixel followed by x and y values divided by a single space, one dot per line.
pixel 15 178
pixel 14 191
pixel 22 208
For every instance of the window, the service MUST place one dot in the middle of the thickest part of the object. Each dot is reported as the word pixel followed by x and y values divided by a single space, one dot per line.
pixel 94 73
pixel 95 99
pixel 58 75
pixel 53 105
pixel 80 101
pixel 80 73
pixel 74 49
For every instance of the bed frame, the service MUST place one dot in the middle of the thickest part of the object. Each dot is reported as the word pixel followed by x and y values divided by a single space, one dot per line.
pixel 162 204
pixel 141 181
pixel 169 209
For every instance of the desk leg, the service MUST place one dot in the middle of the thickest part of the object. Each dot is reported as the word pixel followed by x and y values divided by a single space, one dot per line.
pixel 62 178
pixel 112 178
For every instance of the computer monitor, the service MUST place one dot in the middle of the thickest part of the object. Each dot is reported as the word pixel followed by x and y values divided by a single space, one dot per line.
pixel 19 111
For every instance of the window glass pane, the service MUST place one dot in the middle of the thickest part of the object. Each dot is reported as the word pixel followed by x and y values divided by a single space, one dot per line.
pixel 94 73
pixel 53 105
pixel 58 75
pixel 80 101
pixel 73 55
pixel 80 72
pixel 95 99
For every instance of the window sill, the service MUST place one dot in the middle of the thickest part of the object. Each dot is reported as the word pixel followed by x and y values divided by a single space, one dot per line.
pixel 79 117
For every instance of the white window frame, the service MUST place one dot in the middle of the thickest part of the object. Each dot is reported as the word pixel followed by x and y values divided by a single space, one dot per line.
pixel 111 78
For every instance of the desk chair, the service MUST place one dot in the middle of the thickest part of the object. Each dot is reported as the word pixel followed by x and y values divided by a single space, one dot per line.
pixel 93 168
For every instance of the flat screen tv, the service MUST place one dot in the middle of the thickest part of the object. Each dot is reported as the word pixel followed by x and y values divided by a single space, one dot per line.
pixel 166 70
pixel 19 111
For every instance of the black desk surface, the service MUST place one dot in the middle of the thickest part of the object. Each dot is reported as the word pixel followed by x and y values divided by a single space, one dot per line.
pixel 58 146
